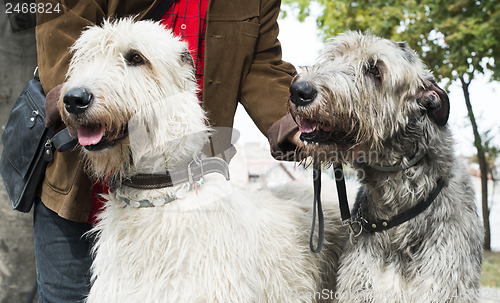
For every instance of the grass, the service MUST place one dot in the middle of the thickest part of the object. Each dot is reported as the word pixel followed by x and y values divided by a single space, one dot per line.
pixel 491 269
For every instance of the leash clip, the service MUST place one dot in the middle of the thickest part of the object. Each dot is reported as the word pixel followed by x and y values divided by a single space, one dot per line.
pixel 355 228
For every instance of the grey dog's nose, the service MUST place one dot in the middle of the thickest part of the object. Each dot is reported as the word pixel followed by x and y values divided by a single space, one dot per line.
pixel 302 93
pixel 77 100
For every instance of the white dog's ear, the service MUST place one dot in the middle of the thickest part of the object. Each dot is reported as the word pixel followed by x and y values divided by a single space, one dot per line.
pixel 186 58
pixel 436 102
pixel 403 44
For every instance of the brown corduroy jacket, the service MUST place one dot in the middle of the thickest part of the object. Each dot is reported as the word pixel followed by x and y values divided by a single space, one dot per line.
pixel 242 64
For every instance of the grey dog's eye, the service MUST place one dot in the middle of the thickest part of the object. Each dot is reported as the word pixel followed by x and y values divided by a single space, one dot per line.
pixel 134 58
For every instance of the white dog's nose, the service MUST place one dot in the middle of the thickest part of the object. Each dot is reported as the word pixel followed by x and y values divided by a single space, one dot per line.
pixel 77 100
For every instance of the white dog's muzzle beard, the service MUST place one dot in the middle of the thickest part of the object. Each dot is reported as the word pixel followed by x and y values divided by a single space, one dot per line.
pixel 92 137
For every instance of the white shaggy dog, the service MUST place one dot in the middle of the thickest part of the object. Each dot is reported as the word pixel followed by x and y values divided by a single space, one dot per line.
pixel 130 95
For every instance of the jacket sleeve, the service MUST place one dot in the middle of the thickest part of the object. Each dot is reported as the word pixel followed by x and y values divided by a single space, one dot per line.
pixel 265 90
pixel 56 32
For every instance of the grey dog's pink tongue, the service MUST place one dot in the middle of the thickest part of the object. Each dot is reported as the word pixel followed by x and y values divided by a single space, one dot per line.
pixel 307 126
pixel 90 135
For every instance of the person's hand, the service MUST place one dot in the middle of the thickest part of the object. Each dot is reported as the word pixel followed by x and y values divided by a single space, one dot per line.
pixel 283 138
pixel 53 118
pixel 294 138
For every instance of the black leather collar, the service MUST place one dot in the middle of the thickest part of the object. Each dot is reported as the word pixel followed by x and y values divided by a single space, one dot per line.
pixel 192 172
pixel 357 224
pixel 380 225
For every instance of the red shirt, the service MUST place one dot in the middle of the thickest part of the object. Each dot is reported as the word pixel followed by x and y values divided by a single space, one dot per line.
pixel 187 19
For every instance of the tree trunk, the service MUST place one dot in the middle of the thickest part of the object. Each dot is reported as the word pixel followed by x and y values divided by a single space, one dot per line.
pixel 483 166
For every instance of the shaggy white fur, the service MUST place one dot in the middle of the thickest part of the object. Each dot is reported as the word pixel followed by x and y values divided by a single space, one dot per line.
pixel 216 244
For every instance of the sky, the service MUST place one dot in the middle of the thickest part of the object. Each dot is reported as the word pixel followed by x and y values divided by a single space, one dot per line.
pixel 301 45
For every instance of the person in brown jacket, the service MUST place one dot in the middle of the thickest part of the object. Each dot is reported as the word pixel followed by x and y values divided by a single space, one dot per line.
pixel 242 63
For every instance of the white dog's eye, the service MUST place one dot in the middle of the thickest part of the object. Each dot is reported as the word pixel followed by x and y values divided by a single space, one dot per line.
pixel 134 58
pixel 374 71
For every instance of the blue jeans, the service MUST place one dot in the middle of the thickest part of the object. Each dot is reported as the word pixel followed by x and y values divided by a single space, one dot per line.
pixel 62 257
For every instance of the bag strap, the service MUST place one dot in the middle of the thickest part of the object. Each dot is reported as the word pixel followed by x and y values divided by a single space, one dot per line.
pixel 60 141
pixel 63 141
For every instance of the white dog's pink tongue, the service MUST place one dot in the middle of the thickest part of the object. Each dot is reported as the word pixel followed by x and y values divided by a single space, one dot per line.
pixel 307 126
pixel 90 135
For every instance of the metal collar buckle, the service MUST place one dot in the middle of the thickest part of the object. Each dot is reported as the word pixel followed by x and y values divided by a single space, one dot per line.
pixel 191 176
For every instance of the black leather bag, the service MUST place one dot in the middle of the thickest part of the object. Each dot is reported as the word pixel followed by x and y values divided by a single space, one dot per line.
pixel 28 147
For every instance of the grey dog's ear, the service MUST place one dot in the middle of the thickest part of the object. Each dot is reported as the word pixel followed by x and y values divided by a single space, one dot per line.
pixel 436 102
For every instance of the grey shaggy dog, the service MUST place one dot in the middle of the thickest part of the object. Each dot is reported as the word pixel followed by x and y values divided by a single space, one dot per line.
pixel 371 102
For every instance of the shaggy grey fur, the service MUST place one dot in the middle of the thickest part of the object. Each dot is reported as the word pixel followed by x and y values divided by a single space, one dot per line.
pixel 371 102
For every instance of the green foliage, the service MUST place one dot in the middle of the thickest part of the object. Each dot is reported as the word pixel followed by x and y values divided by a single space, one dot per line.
pixel 490 276
pixel 490 150
pixel 455 38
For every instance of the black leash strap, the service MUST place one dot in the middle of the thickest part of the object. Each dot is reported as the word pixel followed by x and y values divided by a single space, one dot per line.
pixel 345 212
pixel 317 207
pixel 358 223
pixel 354 227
